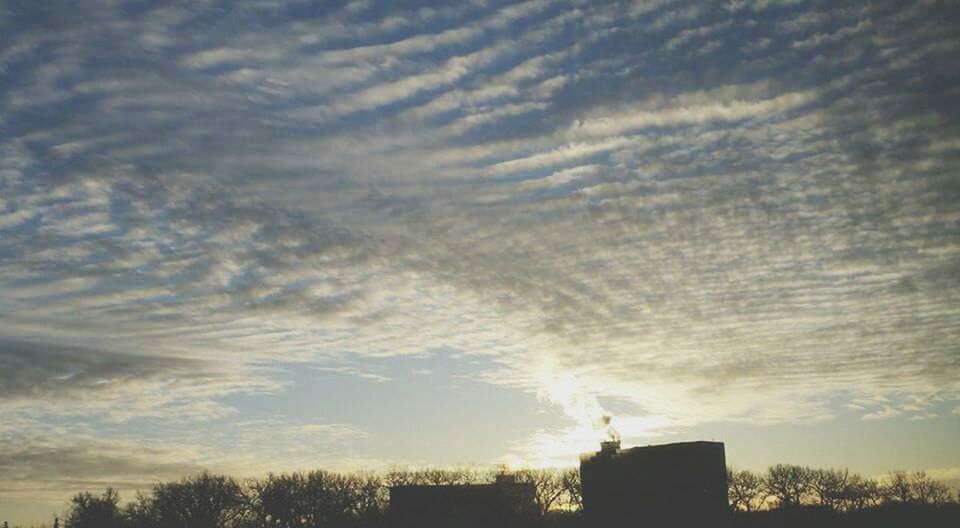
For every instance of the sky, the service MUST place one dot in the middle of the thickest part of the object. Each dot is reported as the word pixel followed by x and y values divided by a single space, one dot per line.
pixel 262 235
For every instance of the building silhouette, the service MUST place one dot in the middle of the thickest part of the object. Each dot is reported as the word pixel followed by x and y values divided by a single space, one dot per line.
pixel 670 485
pixel 503 504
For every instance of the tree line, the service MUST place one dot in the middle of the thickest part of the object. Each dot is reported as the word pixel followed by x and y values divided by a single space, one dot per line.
pixel 836 489
pixel 319 498
pixel 311 499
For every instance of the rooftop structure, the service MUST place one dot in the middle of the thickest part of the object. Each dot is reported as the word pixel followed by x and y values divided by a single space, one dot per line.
pixel 503 504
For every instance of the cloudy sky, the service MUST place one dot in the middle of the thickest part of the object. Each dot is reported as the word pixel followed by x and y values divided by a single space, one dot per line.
pixel 268 235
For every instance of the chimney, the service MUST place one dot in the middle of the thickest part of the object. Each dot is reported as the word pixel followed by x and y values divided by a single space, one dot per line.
pixel 609 447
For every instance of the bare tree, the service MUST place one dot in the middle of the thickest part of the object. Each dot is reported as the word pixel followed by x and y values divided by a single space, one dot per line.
pixel 745 490
pixel 548 487
pixel 862 493
pixel 202 501
pixel 929 491
pixel 830 486
pixel 317 498
pixel 787 484
pixel 897 487
pixel 370 495
pixel 440 476
pixel 402 476
pixel 330 500
pixel 450 476
pixel 399 476
pixel 276 501
pixel 573 489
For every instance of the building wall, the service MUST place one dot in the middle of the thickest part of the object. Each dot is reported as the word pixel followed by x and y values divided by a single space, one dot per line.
pixel 682 484
pixel 501 505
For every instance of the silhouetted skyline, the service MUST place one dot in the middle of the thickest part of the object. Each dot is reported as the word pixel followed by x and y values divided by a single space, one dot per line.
pixel 275 235
pixel 682 485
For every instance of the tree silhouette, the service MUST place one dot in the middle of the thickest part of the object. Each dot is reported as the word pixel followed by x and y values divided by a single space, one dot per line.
pixel 746 489
pixel 862 493
pixel 203 501
pixel 321 499
pixel 329 500
pixel 898 488
pixel 141 513
pixel 830 487
pixel 788 484
pixel 548 485
pixel 925 490
pixel 276 501
pixel 369 494
pixel 573 489
pixel 317 498
pixel 91 511
pixel 399 476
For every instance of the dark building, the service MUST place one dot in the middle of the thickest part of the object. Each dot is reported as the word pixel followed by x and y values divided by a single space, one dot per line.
pixel 503 504
pixel 675 485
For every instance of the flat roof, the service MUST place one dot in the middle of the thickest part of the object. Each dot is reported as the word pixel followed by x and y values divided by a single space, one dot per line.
pixel 675 446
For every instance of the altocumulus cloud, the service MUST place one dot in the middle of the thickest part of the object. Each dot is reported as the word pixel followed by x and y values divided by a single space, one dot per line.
pixel 709 211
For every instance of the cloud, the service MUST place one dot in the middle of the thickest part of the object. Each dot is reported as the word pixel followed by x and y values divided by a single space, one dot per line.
pixel 553 449
pixel 50 464
pixel 723 111
pixel 39 468
pixel 219 56
pixel 55 380
pixel 763 234
pixel 883 414
pixel 43 371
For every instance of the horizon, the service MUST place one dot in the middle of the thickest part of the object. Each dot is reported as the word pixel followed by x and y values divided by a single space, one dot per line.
pixel 270 235
pixel 472 475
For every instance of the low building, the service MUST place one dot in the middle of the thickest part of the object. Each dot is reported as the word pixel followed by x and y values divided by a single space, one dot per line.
pixel 503 504
pixel 675 485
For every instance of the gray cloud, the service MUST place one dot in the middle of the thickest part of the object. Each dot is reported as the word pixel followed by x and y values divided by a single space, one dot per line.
pixel 39 469
pixel 42 371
